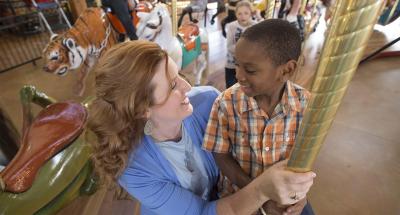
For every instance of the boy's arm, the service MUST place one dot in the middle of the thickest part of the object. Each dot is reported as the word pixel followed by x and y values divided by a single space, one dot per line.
pixel 216 140
pixel 231 169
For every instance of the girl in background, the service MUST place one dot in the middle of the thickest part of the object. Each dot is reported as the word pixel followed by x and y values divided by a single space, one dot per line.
pixel 235 29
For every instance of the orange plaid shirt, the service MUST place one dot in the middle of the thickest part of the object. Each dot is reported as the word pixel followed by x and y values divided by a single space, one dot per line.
pixel 238 126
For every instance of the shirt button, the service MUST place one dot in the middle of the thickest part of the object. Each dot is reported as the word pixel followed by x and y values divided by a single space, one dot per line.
pixel 266 149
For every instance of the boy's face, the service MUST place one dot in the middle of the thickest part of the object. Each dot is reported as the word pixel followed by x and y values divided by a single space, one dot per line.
pixel 255 72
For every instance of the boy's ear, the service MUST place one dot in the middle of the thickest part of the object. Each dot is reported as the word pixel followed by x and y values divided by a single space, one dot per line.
pixel 287 70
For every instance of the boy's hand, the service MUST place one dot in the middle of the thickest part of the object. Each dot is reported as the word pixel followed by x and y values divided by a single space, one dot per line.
pixel 297 208
pixel 272 208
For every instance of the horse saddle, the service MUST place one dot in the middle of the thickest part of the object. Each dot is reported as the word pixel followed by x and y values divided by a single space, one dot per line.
pixel 54 128
pixel 116 23
pixel 187 34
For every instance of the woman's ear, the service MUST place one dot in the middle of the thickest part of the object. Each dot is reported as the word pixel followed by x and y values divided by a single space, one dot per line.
pixel 287 70
pixel 147 114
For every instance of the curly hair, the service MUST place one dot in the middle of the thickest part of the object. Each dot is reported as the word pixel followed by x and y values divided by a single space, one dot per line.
pixel 279 39
pixel 123 94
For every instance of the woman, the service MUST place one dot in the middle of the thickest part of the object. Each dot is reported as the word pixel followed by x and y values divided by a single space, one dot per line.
pixel 150 124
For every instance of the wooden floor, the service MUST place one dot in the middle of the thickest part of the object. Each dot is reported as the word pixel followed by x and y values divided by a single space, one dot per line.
pixel 358 169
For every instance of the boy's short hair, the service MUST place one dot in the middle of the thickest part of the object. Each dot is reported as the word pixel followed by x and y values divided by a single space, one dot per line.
pixel 279 39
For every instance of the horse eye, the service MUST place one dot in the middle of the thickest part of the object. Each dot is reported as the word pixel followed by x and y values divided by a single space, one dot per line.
pixel 151 26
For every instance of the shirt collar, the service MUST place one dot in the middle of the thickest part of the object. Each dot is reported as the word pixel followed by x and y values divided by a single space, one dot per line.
pixel 289 101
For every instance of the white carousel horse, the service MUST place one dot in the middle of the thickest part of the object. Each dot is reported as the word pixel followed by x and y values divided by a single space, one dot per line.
pixel 156 26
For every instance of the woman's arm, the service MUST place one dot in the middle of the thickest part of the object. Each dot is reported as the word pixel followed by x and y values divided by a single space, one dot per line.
pixel 162 196
pixel 165 197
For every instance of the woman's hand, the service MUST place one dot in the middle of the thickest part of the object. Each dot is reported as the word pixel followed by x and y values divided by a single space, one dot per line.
pixel 284 186
pixel 276 183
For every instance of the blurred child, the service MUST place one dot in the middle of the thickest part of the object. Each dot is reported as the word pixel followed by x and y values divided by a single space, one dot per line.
pixel 235 29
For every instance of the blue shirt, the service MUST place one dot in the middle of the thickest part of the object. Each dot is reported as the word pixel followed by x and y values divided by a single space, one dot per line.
pixel 150 178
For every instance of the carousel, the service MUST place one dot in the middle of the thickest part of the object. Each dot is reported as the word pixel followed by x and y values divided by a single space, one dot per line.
pixel 45 148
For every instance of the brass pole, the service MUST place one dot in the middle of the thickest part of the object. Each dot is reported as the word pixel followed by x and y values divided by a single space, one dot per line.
pixel 392 12
pixel 348 35
pixel 303 7
pixel 269 13
pixel 174 18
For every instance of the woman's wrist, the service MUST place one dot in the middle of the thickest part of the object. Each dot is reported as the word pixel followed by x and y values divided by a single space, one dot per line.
pixel 260 192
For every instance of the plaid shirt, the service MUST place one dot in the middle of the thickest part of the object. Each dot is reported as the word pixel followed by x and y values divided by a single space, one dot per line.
pixel 238 126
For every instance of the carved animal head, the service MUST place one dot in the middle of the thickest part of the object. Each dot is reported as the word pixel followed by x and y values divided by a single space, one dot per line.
pixel 63 54
pixel 151 24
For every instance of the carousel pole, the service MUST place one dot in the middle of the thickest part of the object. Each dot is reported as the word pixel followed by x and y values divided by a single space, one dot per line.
pixel 174 18
pixel 303 7
pixel 348 35
pixel 269 13
pixel 392 11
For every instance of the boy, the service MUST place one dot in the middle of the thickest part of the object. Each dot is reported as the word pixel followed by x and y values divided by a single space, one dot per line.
pixel 253 124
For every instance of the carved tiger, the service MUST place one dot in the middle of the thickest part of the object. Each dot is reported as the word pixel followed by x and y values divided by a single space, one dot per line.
pixel 81 46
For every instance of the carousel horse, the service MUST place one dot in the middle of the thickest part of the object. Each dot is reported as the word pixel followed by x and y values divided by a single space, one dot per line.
pixel 220 9
pixel 52 166
pixel 188 49
pixel 195 6
pixel 80 47
pixel 231 16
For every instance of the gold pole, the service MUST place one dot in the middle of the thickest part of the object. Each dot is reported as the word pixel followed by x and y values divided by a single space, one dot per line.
pixel 174 18
pixel 303 7
pixel 348 35
pixel 392 12
pixel 269 13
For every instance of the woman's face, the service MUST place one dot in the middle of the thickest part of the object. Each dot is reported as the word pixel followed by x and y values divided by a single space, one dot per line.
pixel 170 101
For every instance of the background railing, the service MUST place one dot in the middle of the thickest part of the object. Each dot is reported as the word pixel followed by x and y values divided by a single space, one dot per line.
pixel 22 34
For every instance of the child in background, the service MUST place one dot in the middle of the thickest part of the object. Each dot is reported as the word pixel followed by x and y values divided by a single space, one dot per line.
pixel 235 29
pixel 254 123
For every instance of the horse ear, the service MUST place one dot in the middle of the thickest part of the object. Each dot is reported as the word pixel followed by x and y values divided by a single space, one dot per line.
pixel 69 43
pixel 143 15
pixel 53 37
